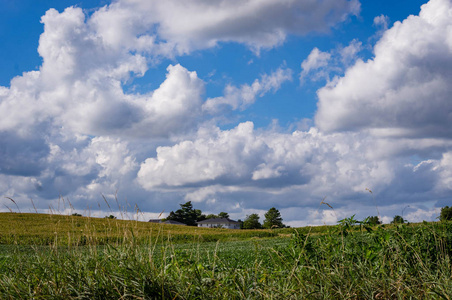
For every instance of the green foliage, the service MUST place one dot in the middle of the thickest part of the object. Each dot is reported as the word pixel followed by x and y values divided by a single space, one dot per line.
pixel 76 215
pixel 345 225
pixel 273 219
pixel 398 220
pixel 220 215
pixel 110 217
pixel 223 215
pixel 373 220
pixel 393 262
pixel 252 222
pixel 186 214
pixel 446 214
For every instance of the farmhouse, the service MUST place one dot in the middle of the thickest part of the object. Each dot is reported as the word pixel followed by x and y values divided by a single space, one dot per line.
pixel 219 223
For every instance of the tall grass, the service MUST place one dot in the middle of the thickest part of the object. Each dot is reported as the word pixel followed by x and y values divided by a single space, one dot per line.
pixel 138 260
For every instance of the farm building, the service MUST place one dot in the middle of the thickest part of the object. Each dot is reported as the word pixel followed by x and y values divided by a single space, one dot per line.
pixel 219 223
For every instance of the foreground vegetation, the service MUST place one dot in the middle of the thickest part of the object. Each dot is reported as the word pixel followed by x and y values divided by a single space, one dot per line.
pixel 66 257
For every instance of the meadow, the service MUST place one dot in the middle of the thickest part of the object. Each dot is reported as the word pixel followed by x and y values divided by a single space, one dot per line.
pixel 72 257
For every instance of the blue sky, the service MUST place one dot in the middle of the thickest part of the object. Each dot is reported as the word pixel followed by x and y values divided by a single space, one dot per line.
pixel 237 106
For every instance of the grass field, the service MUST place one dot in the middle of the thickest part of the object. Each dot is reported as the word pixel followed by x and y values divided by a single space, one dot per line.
pixel 67 257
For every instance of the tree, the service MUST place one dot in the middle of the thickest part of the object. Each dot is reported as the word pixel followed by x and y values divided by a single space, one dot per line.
pixel 241 223
pixel 273 219
pixel 199 215
pixel 252 222
pixel 373 220
pixel 398 220
pixel 223 215
pixel 446 214
pixel 220 215
pixel 186 214
pixel 110 217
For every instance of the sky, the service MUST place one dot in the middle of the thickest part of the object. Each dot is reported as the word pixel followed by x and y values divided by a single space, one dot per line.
pixel 132 107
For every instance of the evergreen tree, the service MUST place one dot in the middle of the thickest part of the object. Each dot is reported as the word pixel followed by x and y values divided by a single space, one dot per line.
pixel 273 219
pixel 199 215
pixel 186 214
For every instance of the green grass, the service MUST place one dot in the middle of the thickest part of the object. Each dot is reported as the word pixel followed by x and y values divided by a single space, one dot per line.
pixel 48 229
pixel 152 261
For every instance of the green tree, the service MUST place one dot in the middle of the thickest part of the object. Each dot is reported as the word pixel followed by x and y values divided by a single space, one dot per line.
pixel 398 220
pixel 446 214
pixel 373 220
pixel 220 215
pixel 241 223
pixel 273 219
pixel 199 215
pixel 252 222
pixel 186 214
pixel 223 215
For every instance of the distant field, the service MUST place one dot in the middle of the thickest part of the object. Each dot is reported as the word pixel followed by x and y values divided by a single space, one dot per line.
pixel 46 229
pixel 69 257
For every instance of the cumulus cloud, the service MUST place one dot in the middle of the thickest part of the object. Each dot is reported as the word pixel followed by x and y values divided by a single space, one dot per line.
pixel 381 22
pixel 241 98
pixel 315 60
pixel 348 54
pixel 321 65
pixel 245 157
pixel 405 89
pixel 199 24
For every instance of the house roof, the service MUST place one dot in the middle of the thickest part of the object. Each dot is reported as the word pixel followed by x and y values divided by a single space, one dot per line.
pixel 166 222
pixel 218 221
pixel 172 222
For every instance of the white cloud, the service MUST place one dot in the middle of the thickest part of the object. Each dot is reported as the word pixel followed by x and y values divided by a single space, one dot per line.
pixel 241 98
pixel 199 24
pixel 243 157
pixel 381 22
pixel 349 53
pixel 315 60
pixel 405 88
pixel 321 65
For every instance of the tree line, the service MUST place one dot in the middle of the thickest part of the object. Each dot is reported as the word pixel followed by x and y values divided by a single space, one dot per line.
pixel 190 216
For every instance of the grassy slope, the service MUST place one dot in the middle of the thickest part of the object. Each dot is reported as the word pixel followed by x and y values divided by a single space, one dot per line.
pixel 44 229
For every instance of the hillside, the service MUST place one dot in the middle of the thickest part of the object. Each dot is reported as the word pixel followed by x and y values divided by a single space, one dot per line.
pixel 44 229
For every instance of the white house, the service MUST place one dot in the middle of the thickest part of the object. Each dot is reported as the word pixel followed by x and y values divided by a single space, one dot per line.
pixel 219 223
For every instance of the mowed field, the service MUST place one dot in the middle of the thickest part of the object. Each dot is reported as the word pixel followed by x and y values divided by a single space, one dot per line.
pixel 71 257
